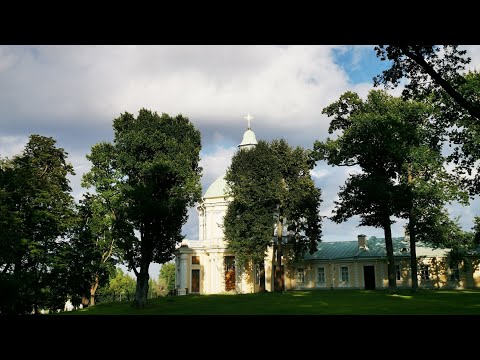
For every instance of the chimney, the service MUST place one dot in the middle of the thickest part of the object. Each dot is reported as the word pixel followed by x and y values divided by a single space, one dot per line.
pixel 362 242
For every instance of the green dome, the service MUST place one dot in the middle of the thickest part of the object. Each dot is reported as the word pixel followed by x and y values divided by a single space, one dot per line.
pixel 217 189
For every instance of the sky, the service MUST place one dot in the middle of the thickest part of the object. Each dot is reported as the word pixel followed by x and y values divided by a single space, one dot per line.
pixel 73 93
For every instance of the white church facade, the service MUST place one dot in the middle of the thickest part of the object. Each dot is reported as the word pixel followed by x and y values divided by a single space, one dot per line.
pixel 205 266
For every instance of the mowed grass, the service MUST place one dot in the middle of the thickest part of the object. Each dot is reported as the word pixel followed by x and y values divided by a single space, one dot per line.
pixel 324 302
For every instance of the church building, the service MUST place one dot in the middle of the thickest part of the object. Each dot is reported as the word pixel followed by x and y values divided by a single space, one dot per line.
pixel 205 266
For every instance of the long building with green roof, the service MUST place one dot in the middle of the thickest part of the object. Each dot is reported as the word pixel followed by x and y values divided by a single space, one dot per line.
pixel 362 264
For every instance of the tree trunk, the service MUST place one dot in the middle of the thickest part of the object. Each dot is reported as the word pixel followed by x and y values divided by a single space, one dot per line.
pixel 413 251
pixel 262 276
pixel 141 290
pixel 278 268
pixel 93 289
pixel 392 282
pixel 37 296
pixel 412 223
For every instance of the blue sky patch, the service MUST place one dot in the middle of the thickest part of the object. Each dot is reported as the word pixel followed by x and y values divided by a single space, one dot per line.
pixel 359 63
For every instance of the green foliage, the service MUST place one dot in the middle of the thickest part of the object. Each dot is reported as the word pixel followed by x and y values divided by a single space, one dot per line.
pixel 150 176
pixel 463 244
pixel 436 76
pixel 398 148
pixel 476 229
pixel 91 248
pixel 375 134
pixel 121 287
pixel 269 181
pixel 156 289
pixel 10 219
pixel 37 212
pixel 431 71
pixel 167 276
pixel 464 134
pixel 248 223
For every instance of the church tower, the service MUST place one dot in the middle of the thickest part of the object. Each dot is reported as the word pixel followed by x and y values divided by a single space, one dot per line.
pixel 249 140
pixel 205 265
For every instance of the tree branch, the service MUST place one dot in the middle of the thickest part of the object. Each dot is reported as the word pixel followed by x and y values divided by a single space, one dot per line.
pixel 459 99
pixel 133 268
pixel 5 269
pixel 44 171
pixel 353 164
pixel 106 255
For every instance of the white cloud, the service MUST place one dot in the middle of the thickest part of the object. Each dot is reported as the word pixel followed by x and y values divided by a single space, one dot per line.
pixel 474 52
pixel 7 59
pixel 327 209
pixel 190 229
pixel 81 166
pixel 358 53
pixel 215 164
pixel 318 173
pixel 285 88
pixel 352 170
pixel 74 92
pixel 12 145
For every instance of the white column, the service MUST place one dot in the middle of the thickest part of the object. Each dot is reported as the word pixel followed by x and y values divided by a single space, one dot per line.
pixel 183 271
pixel 214 274
pixel 200 224
pixel 220 273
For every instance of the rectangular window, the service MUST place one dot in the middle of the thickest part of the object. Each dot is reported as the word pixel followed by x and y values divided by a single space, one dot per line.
pixel 300 275
pixel 454 273
pixel 257 274
pixel 425 275
pixel 397 272
pixel 195 260
pixel 321 275
pixel 344 273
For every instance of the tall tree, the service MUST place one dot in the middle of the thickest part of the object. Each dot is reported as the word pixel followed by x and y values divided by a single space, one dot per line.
pixel 380 135
pixel 10 219
pixel 272 188
pixel 91 248
pixel 154 164
pixel 249 221
pixel 10 241
pixel 427 187
pixel 39 200
pixel 104 223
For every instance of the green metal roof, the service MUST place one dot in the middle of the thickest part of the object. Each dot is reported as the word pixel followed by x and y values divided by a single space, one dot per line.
pixel 333 250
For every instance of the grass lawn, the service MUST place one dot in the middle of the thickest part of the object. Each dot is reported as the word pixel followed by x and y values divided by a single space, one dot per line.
pixel 326 302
